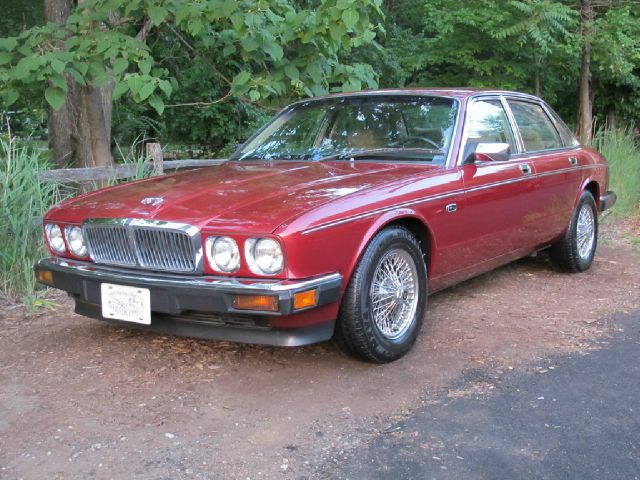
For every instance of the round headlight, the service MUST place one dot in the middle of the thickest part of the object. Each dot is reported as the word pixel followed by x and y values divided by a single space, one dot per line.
pixel 223 254
pixel 264 256
pixel 54 237
pixel 75 240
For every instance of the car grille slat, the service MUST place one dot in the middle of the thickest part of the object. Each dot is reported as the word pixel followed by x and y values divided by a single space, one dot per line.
pixel 141 246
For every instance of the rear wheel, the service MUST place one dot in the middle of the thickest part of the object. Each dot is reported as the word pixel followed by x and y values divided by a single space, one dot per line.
pixel 383 306
pixel 575 251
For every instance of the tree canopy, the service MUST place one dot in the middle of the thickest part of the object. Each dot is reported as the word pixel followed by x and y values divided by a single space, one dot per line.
pixel 221 66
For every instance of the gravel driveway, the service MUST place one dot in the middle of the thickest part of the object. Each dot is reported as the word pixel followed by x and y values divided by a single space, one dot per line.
pixel 83 399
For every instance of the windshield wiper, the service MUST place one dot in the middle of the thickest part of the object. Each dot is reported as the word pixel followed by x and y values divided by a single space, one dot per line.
pixel 379 152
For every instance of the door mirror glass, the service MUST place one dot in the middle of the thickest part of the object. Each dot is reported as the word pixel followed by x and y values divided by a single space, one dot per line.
pixel 489 152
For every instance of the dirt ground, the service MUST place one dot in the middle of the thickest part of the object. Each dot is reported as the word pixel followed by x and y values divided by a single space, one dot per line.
pixel 83 399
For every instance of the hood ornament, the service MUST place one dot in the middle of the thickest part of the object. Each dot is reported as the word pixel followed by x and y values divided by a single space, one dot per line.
pixel 152 201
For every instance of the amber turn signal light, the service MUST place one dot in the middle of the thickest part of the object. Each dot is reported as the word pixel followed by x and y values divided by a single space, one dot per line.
pixel 265 303
pixel 44 276
pixel 305 299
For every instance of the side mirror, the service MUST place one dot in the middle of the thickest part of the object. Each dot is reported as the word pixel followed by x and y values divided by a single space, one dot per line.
pixel 488 152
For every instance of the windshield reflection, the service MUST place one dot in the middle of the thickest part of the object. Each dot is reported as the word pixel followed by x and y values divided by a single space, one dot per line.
pixel 386 128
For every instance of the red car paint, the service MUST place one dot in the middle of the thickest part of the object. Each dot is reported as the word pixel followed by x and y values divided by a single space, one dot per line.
pixel 325 213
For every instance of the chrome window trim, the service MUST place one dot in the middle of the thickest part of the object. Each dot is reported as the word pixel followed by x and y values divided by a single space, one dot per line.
pixel 130 224
pixel 484 96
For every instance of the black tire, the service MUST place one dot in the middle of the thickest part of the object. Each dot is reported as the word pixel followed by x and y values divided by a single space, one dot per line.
pixel 565 254
pixel 356 331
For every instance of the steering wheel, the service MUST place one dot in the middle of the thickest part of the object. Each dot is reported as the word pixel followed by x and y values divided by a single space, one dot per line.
pixel 408 140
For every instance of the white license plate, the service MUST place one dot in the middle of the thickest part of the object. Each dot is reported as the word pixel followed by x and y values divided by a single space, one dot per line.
pixel 131 304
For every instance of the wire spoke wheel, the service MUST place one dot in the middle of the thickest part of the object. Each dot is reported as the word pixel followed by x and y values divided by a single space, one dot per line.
pixel 394 293
pixel 585 232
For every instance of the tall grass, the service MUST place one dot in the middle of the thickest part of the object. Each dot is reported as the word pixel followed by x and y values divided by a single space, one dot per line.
pixel 622 151
pixel 23 199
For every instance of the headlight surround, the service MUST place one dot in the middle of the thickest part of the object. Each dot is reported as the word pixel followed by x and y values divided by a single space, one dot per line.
pixel 55 238
pixel 264 256
pixel 75 240
pixel 223 254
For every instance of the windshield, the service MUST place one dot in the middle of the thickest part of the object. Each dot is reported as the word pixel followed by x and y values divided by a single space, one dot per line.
pixel 400 128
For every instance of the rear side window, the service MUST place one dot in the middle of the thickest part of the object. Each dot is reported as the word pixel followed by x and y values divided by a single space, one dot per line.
pixel 536 129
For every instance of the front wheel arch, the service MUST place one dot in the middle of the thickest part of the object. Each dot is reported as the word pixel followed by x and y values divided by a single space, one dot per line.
pixel 405 218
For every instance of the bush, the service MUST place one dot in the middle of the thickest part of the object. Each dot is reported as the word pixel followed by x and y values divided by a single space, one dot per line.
pixel 623 154
pixel 23 200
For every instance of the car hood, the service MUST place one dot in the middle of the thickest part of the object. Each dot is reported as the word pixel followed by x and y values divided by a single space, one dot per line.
pixel 235 196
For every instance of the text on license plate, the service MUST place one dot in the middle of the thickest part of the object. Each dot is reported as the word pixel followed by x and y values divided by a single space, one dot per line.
pixel 131 304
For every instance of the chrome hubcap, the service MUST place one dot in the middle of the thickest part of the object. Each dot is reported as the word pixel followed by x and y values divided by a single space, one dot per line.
pixel 585 232
pixel 394 293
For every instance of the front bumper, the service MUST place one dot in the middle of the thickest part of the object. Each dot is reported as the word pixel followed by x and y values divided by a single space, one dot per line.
pixel 200 306
pixel 607 201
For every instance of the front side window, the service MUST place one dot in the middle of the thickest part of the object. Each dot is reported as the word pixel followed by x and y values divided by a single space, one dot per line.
pixel 536 129
pixel 487 122
pixel 381 127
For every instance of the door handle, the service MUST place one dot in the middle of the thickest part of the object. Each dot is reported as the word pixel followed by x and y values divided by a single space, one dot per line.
pixel 573 161
pixel 526 168
pixel 452 207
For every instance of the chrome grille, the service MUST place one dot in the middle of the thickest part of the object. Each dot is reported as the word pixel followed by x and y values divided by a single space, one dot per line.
pixel 133 243
pixel 164 249
pixel 110 244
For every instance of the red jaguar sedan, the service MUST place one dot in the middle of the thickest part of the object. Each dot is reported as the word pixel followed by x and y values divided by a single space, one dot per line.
pixel 335 220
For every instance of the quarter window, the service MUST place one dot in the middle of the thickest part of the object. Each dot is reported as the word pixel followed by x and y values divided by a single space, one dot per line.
pixel 536 129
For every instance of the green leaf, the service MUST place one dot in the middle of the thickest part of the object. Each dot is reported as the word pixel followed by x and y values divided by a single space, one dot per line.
pixel 5 57
pixel 10 96
pixel 120 89
pixel 254 95
pixel 120 65
pixel 55 96
pixel 157 14
pixel 350 18
pixel 144 65
pixel 274 50
pixel 166 87
pixel 156 102
pixel 8 43
pixel 228 50
pixel 58 81
pixel 135 83
pixel 241 79
pixel 292 72
pixel 146 90
pixel 58 65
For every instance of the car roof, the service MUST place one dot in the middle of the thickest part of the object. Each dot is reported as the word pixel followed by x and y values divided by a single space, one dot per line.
pixel 460 93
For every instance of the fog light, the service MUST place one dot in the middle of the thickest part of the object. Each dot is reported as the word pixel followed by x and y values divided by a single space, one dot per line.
pixel 304 299
pixel 44 276
pixel 265 303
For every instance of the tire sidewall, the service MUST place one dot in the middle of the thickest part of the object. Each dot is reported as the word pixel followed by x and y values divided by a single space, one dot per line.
pixel 586 201
pixel 385 241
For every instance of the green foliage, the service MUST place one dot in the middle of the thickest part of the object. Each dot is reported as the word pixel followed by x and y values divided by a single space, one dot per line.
pixel 22 200
pixel 622 151
pixel 275 48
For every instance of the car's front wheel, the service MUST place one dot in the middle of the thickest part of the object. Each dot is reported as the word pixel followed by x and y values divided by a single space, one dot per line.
pixel 385 300
pixel 575 251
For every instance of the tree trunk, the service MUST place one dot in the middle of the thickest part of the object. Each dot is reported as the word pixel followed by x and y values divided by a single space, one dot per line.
pixel 80 131
pixel 536 76
pixel 585 101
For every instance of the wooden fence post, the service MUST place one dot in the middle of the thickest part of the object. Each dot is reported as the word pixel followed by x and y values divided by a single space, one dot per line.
pixel 154 152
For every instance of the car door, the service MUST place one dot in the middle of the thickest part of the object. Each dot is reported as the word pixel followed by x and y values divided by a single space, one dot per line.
pixel 553 155
pixel 498 194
